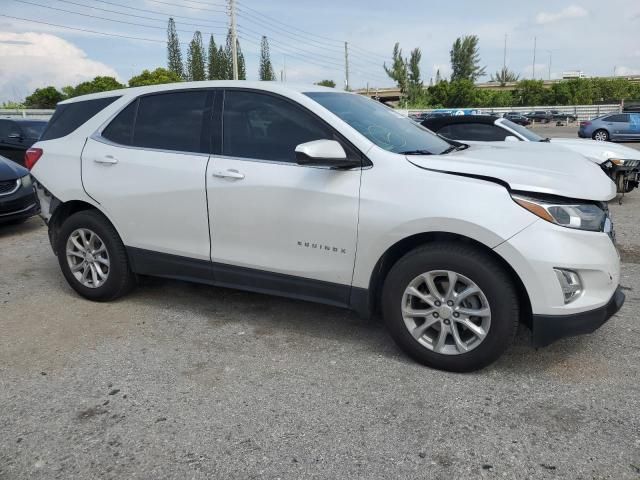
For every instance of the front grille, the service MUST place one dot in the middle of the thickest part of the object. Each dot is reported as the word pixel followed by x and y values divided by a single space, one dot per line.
pixel 8 187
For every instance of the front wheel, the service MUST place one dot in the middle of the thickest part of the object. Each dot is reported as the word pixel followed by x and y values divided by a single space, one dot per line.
pixel 601 135
pixel 450 306
pixel 93 258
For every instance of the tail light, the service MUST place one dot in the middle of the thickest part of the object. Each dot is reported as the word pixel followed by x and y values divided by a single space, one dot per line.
pixel 31 156
pixel 585 124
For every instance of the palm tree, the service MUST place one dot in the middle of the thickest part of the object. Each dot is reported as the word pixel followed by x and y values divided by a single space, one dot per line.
pixel 505 76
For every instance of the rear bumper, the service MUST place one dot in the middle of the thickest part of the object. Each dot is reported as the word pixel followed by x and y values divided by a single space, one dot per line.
pixel 549 328
pixel 22 204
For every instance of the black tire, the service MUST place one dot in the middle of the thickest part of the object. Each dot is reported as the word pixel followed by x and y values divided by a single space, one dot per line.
pixel 621 184
pixel 601 130
pixel 120 279
pixel 477 266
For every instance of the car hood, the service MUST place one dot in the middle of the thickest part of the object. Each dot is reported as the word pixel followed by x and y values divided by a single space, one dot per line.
pixel 597 151
pixel 10 170
pixel 527 166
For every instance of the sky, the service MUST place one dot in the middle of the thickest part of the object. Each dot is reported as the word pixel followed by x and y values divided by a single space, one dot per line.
pixel 307 37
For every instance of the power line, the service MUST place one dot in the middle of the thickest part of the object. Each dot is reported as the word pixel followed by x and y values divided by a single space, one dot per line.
pixel 173 15
pixel 103 18
pixel 173 4
pixel 86 30
pixel 142 16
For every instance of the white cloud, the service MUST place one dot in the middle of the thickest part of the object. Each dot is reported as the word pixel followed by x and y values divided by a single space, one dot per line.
pixel 35 60
pixel 572 11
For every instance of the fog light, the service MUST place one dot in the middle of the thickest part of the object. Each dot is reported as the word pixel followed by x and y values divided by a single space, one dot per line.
pixel 570 284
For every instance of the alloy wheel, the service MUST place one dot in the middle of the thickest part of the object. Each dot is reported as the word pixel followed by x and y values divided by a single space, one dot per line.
pixel 446 312
pixel 600 136
pixel 88 258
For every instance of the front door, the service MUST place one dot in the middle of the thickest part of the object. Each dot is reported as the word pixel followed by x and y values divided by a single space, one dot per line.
pixel 276 225
pixel 147 171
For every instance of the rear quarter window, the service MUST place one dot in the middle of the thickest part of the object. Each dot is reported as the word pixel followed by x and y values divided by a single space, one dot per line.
pixel 69 116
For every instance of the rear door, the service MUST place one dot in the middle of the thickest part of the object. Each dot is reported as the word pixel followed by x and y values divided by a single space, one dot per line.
pixel 11 141
pixel 147 171
pixel 276 225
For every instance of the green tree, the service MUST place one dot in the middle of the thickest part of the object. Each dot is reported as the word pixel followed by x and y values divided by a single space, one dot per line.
pixel 156 77
pixel 505 76
pixel 196 70
pixel 398 70
pixel 439 93
pixel 462 93
pixel 465 59
pixel 327 83
pixel 530 93
pixel 228 54
pixel 11 105
pixel 46 97
pixel 266 68
pixel 215 64
pixel 242 68
pixel 414 82
pixel 98 84
pixel 174 54
pixel 224 65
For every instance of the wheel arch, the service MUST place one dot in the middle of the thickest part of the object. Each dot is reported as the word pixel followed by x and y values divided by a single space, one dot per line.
pixel 404 246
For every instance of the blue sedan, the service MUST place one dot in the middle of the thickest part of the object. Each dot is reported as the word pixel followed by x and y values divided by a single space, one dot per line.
pixel 612 127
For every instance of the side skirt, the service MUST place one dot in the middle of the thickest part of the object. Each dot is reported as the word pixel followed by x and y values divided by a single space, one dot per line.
pixel 146 262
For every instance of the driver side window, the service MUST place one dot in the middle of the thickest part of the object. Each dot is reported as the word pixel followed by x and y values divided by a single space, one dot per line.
pixel 266 127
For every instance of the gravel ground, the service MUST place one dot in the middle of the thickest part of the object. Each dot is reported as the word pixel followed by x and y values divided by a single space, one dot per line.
pixel 188 381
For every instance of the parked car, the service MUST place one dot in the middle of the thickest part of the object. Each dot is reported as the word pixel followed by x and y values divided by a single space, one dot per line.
pixel 621 163
pixel 518 118
pixel 17 136
pixel 559 116
pixel 18 200
pixel 273 188
pixel 615 127
pixel 542 116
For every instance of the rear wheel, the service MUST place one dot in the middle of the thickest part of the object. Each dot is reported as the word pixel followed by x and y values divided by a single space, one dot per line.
pixel 601 135
pixel 450 306
pixel 93 258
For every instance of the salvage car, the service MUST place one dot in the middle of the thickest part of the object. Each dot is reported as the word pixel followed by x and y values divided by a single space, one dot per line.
pixel 18 199
pixel 621 163
pixel 17 135
pixel 326 196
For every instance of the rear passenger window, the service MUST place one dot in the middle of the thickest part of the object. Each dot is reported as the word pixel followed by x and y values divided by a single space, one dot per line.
pixel 266 127
pixel 479 132
pixel 171 121
pixel 623 117
pixel 69 116
pixel 120 130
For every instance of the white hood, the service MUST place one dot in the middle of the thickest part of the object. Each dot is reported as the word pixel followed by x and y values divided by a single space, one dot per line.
pixel 598 152
pixel 527 166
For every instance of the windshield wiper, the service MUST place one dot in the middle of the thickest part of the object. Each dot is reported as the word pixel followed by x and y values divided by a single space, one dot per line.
pixel 416 152
pixel 456 148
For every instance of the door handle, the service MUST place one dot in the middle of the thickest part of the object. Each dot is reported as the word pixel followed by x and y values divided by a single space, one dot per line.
pixel 231 173
pixel 107 159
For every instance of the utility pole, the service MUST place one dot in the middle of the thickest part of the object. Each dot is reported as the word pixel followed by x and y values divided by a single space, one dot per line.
pixel 504 59
pixel 346 66
pixel 550 56
pixel 534 57
pixel 234 38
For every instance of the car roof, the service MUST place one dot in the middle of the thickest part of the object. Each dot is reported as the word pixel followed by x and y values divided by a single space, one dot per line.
pixel 439 122
pixel 275 87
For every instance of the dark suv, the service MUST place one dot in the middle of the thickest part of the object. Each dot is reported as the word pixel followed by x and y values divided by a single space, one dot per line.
pixel 542 116
pixel 17 136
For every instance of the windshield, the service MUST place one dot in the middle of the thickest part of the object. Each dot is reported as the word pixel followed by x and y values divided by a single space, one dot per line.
pixel 524 131
pixel 33 129
pixel 382 125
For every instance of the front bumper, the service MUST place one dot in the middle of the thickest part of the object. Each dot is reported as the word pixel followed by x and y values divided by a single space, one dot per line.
pixel 19 205
pixel 547 329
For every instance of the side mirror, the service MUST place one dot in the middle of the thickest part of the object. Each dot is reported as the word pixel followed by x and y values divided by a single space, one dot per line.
pixel 511 138
pixel 323 153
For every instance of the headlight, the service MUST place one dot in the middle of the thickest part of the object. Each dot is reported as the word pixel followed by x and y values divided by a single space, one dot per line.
pixel 567 213
pixel 624 162
pixel 26 181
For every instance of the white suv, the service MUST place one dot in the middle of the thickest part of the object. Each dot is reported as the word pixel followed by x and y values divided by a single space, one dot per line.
pixel 322 195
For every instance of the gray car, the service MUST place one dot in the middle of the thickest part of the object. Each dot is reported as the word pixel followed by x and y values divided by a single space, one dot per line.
pixel 612 127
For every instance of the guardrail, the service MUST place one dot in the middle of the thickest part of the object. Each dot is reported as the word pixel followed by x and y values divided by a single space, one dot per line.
pixel 582 112
pixel 26 113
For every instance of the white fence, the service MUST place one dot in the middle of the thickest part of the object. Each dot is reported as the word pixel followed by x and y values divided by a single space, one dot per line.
pixel 583 112
pixel 26 113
